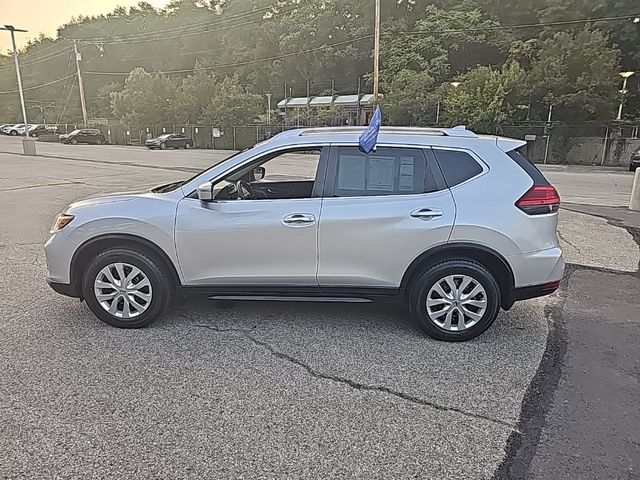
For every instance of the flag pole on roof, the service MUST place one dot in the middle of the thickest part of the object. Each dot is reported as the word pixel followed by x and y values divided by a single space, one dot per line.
pixel 369 137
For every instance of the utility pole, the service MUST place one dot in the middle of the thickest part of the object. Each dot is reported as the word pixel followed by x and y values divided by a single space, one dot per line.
pixel 376 54
pixel 12 29
pixel 548 129
pixel 80 83
pixel 268 108
pixel 358 103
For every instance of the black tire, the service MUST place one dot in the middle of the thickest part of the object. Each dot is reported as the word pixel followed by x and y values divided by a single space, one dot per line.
pixel 73 141
pixel 163 146
pixel 162 287
pixel 33 135
pixel 187 146
pixel 13 133
pixel 632 168
pixel 418 292
pixel 99 141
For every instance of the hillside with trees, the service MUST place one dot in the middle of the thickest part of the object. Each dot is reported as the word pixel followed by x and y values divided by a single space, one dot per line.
pixel 214 61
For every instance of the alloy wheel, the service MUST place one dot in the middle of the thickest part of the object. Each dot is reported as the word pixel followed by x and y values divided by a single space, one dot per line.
pixel 123 290
pixel 456 302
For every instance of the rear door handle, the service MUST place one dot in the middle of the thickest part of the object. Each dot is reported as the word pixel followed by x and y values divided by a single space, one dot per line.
pixel 427 213
pixel 299 220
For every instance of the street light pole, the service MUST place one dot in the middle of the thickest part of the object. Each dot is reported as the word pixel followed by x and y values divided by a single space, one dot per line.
pixel 12 29
pixel 376 53
pixel 625 76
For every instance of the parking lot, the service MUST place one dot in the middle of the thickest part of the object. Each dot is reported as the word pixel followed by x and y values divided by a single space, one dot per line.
pixel 287 390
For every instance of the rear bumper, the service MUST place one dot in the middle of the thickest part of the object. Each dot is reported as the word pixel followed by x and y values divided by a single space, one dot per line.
pixel 536 274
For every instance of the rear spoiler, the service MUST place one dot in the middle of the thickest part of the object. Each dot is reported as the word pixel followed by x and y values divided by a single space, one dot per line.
pixel 509 144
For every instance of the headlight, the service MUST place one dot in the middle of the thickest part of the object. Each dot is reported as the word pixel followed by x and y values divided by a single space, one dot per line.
pixel 61 221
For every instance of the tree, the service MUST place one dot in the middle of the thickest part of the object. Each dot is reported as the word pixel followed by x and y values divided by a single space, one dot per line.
pixel 231 104
pixel 485 98
pixel 146 99
pixel 195 92
pixel 577 71
pixel 411 99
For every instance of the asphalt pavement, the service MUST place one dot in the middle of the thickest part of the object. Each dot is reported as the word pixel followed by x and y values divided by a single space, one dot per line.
pixel 281 390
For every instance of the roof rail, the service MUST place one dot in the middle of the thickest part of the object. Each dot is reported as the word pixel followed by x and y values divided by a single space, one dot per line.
pixel 459 131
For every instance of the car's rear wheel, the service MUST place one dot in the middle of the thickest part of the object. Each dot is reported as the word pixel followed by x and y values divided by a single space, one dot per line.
pixel 455 300
pixel 73 141
pixel 126 288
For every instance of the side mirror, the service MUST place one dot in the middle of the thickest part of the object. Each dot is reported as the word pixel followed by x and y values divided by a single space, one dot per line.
pixel 205 192
pixel 259 173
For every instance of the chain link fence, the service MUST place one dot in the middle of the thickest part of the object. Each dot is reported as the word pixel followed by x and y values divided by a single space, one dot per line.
pixel 592 143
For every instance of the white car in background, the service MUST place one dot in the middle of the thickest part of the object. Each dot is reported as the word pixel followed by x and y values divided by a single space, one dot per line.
pixel 15 130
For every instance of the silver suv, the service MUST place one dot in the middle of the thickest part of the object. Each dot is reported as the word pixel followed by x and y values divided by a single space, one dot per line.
pixel 456 224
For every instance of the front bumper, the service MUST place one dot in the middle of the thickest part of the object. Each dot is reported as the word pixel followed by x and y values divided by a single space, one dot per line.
pixel 63 289
pixel 59 251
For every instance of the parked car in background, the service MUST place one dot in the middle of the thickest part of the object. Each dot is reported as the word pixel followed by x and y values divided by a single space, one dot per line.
pixel 169 140
pixel 454 224
pixel 84 135
pixel 40 129
pixel 634 161
pixel 13 130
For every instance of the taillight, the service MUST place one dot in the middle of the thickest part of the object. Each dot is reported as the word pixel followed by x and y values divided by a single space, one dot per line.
pixel 540 199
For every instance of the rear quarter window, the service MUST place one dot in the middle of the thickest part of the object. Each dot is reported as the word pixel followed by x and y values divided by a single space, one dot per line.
pixel 528 166
pixel 456 166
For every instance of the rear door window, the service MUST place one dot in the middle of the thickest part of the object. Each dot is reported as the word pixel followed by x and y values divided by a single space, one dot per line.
pixel 386 171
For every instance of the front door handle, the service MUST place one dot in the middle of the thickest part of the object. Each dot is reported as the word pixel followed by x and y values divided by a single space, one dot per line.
pixel 299 220
pixel 427 213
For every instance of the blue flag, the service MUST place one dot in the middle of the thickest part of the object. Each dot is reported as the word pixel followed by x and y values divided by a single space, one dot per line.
pixel 369 137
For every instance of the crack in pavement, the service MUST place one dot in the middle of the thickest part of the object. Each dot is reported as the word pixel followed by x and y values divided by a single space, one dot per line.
pixel 41 185
pixel 564 239
pixel 246 333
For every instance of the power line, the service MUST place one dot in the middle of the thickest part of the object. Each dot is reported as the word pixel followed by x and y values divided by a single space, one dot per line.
pixel 25 59
pixel 248 62
pixel 179 29
pixel 511 27
pixel 178 34
pixel 38 86
pixel 46 59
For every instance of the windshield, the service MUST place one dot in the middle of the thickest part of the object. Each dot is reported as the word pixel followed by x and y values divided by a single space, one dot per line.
pixel 166 135
pixel 75 132
pixel 172 186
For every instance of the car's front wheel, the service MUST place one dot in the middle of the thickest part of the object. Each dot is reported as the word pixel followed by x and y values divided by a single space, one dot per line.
pixel 455 300
pixel 99 141
pixel 73 141
pixel 126 288
pixel 13 133
pixel 163 146
pixel 187 146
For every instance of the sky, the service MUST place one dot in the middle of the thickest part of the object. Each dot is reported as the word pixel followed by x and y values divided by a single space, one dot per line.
pixel 45 16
